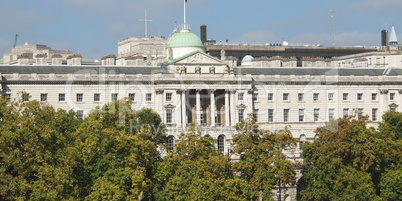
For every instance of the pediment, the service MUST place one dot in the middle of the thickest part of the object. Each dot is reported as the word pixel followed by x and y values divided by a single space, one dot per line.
pixel 169 106
pixel 197 58
pixel 393 105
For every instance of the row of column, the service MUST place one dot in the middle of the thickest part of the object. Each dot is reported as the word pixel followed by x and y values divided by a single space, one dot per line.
pixel 180 110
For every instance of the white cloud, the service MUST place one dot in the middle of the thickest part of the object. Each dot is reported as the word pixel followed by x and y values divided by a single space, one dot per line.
pixel 342 39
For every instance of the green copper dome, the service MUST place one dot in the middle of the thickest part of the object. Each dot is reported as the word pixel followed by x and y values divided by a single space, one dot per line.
pixel 185 39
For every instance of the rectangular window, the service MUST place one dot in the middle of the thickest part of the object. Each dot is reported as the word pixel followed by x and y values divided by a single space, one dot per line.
pixel 392 96
pixel 285 115
pixel 286 96
pixel 330 113
pixel 25 97
pixel 271 115
pixel 315 96
pixel 80 98
pixel 131 96
pixel 240 96
pixel 316 114
pixel 241 114
pixel 345 96
pixel 331 96
pixel 270 96
pixel 62 97
pixel 345 112
pixel 374 114
pixel 114 96
pixel 168 96
pixel 359 96
pixel 80 114
pixel 300 96
pixel 96 97
pixel 378 60
pixel 43 97
pixel 148 97
pixel 255 96
pixel 360 111
pixel 301 115
pixel 373 96
pixel 255 115
pixel 169 115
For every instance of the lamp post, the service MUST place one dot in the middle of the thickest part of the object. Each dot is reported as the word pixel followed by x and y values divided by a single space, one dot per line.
pixel 278 194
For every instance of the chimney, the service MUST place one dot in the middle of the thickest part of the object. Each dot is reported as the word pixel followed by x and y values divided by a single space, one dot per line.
pixel 57 59
pixel 41 59
pixel 384 38
pixel 75 60
pixel 203 34
pixel 109 60
pixel 23 59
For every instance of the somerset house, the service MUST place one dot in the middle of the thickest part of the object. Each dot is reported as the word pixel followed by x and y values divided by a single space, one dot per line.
pixel 178 79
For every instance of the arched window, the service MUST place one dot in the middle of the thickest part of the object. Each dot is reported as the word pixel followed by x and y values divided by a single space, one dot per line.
pixel 170 142
pixel 221 143
pixel 301 141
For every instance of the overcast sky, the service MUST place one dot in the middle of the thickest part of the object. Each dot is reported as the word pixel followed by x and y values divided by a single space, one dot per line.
pixel 93 27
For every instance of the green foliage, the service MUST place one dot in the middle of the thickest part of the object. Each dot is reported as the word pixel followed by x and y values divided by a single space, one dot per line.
pixel 110 155
pixel 51 155
pixel 262 164
pixel 36 159
pixel 195 170
pixel 352 162
pixel 149 125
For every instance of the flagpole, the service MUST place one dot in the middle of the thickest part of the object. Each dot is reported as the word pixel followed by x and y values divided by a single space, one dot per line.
pixel 184 12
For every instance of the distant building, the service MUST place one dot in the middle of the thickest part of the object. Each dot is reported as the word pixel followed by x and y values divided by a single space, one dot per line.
pixel 31 52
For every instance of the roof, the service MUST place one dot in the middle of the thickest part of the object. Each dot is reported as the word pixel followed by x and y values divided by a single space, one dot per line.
pixel 318 71
pixel 185 39
pixel 28 69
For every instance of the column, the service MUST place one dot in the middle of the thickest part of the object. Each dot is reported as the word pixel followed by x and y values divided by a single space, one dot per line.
pixel 212 108
pixel 383 104
pixel 198 106
pixel 177 109
pixel 227 115
pixel 399 98
pixel 233 111
pixel 158 102
pixel 183 109
pixel 249 101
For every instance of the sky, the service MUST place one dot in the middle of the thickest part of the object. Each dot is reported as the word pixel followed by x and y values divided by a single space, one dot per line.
pixel 94 27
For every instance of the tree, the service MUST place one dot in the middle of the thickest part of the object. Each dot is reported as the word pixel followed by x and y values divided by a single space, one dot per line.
pixel 36 159
pixel 263 165
pixel 195 170
pixel 150 125
pixel 113 162
pixel 350 161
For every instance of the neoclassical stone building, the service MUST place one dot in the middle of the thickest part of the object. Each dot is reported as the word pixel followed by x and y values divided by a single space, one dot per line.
pixel 194 87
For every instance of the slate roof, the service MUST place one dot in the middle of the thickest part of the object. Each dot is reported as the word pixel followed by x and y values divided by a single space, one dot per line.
pixel 64 69
pixel 27 69
pixel 318 71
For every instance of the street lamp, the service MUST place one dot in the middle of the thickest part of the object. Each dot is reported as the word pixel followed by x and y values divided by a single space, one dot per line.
pixel 278 194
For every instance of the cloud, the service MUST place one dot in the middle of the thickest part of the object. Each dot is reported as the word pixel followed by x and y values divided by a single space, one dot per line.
pixel 342 39
pixel 376 6
pixel 258 36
